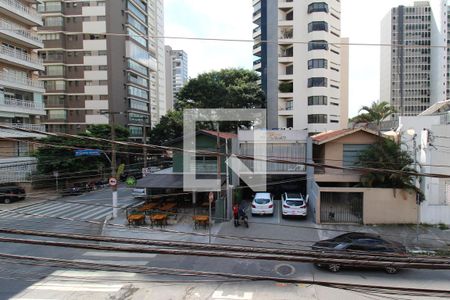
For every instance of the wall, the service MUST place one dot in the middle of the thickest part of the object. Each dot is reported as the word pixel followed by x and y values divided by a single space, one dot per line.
pixel 436 207
pixel 333 155
pixel 386 206
pixel 380 206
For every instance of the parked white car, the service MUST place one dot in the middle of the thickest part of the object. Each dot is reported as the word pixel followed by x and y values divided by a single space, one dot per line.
pixel 294 204
pixel 139 193
pixel 262 204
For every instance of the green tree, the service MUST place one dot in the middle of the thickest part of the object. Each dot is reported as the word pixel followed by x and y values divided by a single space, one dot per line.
pixel 227 88
pixel 169 127
pixel 387 154
pixel 58 153
pixel 377 112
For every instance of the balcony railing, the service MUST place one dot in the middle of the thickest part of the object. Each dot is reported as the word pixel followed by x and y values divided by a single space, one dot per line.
pixel 17 29
pixel 21 103
pixel 22 10
pixel 21 80
pixel 258 61
pixel 36 127
pixel 20 55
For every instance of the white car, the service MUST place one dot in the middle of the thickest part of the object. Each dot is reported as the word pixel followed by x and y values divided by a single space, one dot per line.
pixel 294 204
pixel 262 204
pixel 139 193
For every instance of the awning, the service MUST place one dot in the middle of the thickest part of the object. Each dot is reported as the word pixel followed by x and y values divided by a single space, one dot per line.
pixel 169 181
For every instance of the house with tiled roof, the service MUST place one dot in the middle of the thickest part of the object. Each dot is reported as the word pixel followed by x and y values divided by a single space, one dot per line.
pixel 333 186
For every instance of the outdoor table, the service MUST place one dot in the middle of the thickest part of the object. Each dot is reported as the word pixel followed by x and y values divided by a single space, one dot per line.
pixel 158 219
pixel 148 206
pixel 168 206
pixel 136 219
pixel 200 220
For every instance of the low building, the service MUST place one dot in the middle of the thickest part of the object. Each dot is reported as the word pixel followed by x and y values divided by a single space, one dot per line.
pixel 334 194
pixel 431 133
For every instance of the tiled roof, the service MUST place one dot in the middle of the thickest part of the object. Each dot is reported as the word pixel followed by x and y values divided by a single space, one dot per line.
pixel 335 134
pixel 222 135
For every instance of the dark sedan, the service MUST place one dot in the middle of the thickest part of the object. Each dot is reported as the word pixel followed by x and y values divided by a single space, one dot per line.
pixel 359 242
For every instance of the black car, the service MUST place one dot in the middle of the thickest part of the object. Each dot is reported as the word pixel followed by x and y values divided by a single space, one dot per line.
pixel 361 242
pixel 11 192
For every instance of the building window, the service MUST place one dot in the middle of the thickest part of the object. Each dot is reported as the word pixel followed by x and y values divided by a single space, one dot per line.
pixel 317 45
pixel 136 131
pixel 317 82
pixel 318 26
pixel 317 100
pixel 53 21
pixel 317 119
pixel 317 64
pixel 289 122
pixel 352 153
pixel 289 105
pixel 317 7
pixel 57 114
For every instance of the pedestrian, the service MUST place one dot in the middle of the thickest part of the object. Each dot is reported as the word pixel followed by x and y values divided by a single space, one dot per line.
pixel 236 215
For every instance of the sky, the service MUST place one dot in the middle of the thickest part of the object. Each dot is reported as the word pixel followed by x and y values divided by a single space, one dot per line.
pixel 232 19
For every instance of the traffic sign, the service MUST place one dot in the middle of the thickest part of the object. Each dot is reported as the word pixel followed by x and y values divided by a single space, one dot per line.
pixel 112 181
pixel 87 152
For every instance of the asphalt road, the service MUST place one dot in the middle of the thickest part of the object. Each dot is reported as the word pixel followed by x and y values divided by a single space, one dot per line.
pixel 18 281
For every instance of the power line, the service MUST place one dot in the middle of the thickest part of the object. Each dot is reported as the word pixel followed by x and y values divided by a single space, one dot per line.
pixel 282 161
pixel 64 263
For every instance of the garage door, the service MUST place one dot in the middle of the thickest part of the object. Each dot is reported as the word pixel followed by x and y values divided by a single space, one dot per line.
pixel 336 207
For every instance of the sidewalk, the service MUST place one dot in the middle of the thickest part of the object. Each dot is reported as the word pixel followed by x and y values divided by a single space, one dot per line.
pixel 287 234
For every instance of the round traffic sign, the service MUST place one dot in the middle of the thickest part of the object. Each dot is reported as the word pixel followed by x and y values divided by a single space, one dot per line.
pixel 112 181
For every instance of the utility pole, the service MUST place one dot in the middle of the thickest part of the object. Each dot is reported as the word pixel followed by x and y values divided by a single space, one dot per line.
pixel 413 133
pixel 144 128
pixel 113 163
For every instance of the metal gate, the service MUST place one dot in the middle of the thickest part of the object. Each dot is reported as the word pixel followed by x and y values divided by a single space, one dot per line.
pixel 337 207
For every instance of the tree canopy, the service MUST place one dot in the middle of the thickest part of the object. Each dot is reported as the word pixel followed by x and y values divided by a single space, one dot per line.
pixel 227 88
pixel 59 152
pixel 169 127
pixel 375 113
pixel 387 154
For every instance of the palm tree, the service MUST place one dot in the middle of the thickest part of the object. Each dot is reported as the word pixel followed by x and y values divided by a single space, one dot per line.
pixel 376 113
pixel 388 155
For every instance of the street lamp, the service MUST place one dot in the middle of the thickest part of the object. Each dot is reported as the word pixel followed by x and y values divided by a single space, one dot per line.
pixel 411 132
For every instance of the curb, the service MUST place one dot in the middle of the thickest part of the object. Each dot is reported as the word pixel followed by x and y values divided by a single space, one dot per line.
pixel 107 219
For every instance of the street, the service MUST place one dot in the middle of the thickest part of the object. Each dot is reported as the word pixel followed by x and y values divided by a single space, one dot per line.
pixel 24 281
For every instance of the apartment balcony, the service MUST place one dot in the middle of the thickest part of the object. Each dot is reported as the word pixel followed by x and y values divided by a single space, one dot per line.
pixel 257 33
pixel 21 83
pixel 257 65
pixel 20 59
pixel 21 106
pixel 35 127
pixel 257 16
pixel 257 49
pixel 20 35
pixel 20 12
pixel 285 76
pixel 285 111
pixel 286 4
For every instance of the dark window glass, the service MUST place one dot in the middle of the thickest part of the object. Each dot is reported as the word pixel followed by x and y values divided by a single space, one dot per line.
pixel 289 122
pixel 317 64
pixel 317 100
pixel 317 119
pixel 318 26
pixel 317 45
pixel 317 7
pixel 317 82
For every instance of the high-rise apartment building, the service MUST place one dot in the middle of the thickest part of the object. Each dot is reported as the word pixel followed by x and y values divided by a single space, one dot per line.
pixel 21 102
pixel 99 57
pixel 414 68
pixel 303 63
pixel 178 60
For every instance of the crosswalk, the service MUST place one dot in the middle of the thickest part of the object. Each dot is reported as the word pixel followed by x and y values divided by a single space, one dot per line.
pixel 63 209
pixel 92 284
